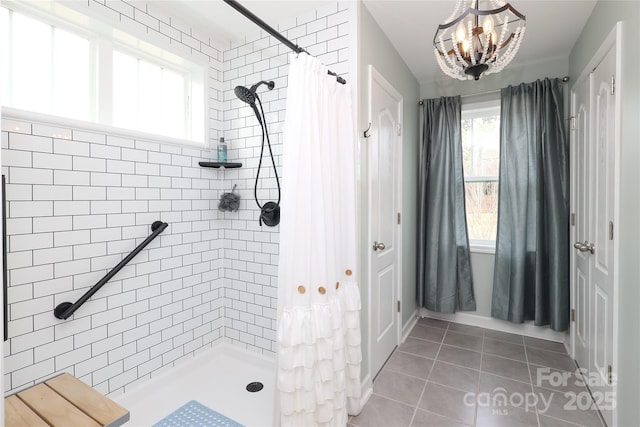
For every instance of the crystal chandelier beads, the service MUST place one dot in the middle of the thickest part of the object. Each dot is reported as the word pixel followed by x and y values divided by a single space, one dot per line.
pixel 475 41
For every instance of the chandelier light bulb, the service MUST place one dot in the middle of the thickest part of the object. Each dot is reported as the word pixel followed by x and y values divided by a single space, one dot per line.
pixel 465 47
pixel 461 33
pixel 485 39
pixel 487 25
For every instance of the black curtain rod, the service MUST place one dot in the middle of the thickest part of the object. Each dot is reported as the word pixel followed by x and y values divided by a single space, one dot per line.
pixel 564 79
pixel 269 29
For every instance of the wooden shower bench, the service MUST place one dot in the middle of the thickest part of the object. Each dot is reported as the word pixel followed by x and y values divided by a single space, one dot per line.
pixel 63 401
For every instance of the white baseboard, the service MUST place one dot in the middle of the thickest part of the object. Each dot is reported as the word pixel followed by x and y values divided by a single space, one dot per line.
pixel 567 343
pixel 406 329
pixel 367 381
pixel 528 329
pixel 367 391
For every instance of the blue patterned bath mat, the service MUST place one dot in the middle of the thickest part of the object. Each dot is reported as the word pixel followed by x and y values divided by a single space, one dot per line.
pixel 194 414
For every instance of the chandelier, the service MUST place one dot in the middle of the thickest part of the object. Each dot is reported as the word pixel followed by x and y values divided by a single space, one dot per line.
pixel 473 42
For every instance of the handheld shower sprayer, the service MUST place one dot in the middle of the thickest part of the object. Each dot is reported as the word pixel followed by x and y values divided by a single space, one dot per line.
pixel 270 211
pixel 249 95
pixel 245 95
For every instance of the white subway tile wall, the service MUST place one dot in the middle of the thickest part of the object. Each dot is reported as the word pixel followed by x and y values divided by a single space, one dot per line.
pixel 80 200
pixel 251 251
pixel 66 231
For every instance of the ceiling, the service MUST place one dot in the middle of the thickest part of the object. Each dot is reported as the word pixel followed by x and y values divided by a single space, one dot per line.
pixel 411 25
pixel 224 22
pixel 553 26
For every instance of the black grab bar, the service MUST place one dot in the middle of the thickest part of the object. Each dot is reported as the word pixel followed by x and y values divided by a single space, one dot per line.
pixel 65 309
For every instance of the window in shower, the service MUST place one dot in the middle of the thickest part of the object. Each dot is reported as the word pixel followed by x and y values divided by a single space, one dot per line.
pixel 481 161
pixel 80 69
pixel 45 69
pixel 151 96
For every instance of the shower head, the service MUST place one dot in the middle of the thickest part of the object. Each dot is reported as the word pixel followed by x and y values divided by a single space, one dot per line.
pixel 249 95
pixel 245 95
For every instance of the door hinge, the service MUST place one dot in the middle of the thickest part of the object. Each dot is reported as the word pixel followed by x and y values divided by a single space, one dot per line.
pixel 573 218
pixel 572 122
pixel 610 230
pixel 613 84
pixel 609 374
pixel 573 314
pixel 399 129
pixel 398 306
pixel 399 218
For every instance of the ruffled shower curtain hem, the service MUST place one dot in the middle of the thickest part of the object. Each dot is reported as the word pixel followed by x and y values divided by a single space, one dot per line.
pixel 319 361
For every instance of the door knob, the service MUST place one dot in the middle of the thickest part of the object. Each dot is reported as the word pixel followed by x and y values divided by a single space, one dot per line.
pixel 589 247
pixel 378 246
pixel 585 247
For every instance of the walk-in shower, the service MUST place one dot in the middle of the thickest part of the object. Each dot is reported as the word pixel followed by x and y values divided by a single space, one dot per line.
pixel 194 315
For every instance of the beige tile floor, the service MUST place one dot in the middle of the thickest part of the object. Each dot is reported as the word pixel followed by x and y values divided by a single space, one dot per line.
pixel 452 375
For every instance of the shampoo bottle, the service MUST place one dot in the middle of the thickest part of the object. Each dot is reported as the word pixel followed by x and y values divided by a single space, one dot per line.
pixel 222 151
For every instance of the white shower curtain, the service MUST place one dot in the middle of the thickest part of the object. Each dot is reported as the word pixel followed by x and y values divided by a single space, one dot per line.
pixel 318 296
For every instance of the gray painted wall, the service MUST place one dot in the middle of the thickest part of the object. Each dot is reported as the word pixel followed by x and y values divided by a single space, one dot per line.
pixel 602 20
pixel 375 48
pixel 482 271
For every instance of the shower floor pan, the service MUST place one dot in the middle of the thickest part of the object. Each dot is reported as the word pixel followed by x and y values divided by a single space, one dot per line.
pixel 217 378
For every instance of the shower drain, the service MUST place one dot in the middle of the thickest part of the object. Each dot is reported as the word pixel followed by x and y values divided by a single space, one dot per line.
pixel 254 386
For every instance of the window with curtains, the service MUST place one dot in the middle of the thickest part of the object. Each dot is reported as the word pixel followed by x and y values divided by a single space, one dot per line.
pixel 79 69
pixel 481 161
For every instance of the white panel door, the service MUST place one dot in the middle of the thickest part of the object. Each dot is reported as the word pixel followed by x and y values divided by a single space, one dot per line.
pixel 384 157
pixel 594 201
pixel 603 114
pixel 581 195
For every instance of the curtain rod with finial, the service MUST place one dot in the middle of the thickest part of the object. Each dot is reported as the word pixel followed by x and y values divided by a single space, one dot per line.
pixel 565 79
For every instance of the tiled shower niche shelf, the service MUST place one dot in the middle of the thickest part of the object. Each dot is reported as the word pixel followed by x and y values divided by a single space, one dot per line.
pixel 225 165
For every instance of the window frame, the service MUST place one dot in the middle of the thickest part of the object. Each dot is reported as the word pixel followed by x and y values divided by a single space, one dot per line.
pixel 470 110
pixel 54 21
pixel 162 63
pixel 104 40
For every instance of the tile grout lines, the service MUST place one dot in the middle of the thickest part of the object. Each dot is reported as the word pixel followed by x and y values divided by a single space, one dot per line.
pixel 415 410
pixel 447 330
pixel 526 356
pixel 475 417
pixel 480 370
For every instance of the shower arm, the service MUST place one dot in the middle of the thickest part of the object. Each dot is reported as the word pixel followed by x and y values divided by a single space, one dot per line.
pixel 269 29
pixel 270 85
